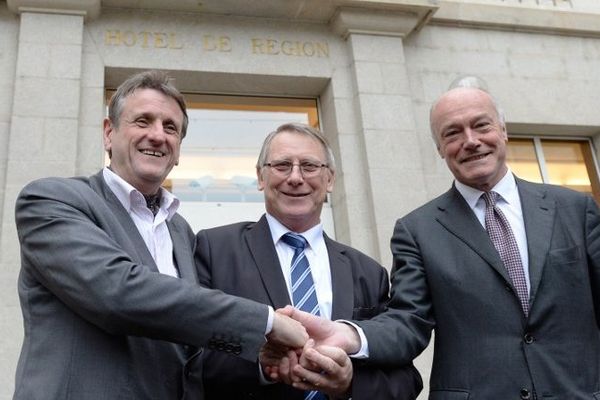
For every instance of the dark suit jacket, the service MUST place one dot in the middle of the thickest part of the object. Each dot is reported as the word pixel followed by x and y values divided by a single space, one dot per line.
pixel 241 259
pixel 448 275
pixel 100 321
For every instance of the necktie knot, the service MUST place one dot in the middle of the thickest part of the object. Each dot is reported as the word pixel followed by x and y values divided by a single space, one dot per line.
pixel 298 242
pixel 490 198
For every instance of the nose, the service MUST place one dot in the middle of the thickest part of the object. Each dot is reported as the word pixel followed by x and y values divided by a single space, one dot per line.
pixel 156 132
pixel 471 139
pixel 295 177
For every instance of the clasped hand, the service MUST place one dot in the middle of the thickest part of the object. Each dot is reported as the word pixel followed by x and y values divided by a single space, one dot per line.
pixel 320 364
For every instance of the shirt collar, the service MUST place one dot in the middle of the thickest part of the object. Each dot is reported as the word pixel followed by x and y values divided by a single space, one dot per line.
pixel 506 188
pixel 278 230
pixel 125 192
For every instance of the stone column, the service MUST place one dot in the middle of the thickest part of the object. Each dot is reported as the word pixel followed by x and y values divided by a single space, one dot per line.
pixel 42 135
pixel 387 137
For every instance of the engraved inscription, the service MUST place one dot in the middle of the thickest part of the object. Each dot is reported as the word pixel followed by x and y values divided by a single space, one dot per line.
pixel 144 39
pixel 289 47
pixel 216 43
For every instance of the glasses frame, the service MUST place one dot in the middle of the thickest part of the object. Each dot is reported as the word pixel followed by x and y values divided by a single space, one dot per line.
pixel 305 174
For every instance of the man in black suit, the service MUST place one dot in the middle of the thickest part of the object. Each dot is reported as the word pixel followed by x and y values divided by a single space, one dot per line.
pixel 506 271
pixel 296 170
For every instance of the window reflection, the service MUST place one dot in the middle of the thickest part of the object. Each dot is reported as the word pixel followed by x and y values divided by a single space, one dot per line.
pixel 219 152
pixel 568 163
pixel 520 155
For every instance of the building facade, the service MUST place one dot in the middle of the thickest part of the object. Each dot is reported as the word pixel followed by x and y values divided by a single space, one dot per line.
pixel 364 71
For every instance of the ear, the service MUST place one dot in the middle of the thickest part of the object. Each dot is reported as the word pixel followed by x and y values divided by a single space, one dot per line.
pixel 107 134
pixel 260 180
pixel 504 133
pixel 330 180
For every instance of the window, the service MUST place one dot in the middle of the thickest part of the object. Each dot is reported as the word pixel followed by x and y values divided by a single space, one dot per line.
pixel 218 155
pixel 568 163
pixel 216 176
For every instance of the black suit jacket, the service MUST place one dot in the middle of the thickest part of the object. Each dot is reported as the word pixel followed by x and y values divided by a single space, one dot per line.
pixel 448 275
pixel 101 323
pixel 241 259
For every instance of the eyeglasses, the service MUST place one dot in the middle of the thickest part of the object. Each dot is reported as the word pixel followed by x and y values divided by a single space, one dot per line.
pixel 308 169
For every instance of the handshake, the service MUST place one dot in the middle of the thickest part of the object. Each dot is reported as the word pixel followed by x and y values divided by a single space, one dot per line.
pixel 310 352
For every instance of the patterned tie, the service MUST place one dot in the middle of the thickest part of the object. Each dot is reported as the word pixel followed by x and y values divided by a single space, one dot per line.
pixel 504 241
pixel 304 295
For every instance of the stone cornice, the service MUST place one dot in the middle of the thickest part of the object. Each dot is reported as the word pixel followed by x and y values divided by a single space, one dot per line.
pixel 89 9
pixel 516 17
pixel 381 19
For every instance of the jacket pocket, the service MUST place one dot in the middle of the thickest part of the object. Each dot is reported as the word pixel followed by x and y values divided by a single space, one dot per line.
pixel 451 394
pixel 569 255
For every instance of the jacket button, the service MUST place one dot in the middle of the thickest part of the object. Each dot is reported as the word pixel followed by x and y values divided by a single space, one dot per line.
pixel 525 394
pixel 528 338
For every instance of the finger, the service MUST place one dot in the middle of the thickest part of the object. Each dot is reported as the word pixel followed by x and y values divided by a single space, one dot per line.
pixel 334 353
pixel 293 361
pixel 315 361
pixel 309 380
pixel 285 371
pixel 287 310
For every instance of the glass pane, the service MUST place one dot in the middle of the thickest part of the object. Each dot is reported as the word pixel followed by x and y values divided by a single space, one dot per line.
pixel 566 164
pixel 522 160
pixel 218 155
pixel 219 152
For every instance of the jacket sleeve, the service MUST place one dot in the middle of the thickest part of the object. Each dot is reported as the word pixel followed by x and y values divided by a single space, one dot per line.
pixel 71 247
pixel 402 382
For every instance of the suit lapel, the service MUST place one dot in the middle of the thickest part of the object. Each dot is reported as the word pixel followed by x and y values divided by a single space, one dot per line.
pixel 458 218
pixel 260 244
pixel 341 281
pixel 136 244
pixel 538 216
pixel 182 252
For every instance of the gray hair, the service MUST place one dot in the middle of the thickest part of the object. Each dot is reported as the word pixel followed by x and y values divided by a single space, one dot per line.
pixel 153 79
pixel 302 129
pixel 468 81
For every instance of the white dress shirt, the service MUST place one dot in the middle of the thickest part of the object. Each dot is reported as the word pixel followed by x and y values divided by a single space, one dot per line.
pixel 317 256
pixel 153 229
pixel 509 202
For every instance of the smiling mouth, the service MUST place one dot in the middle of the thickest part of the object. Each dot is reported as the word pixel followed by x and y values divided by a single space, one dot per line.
pixel 295 194
pixel 475 157
pixel 152 153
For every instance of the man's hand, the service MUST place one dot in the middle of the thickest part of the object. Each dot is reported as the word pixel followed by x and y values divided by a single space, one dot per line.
pixel 324 331
pixel 287 333
pixel 324 368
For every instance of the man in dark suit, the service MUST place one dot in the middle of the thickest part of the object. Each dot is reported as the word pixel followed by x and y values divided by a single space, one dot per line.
pixel 513 317
pixel 108 289
pixel 295 170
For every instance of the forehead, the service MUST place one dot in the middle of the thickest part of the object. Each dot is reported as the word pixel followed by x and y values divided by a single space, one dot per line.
pixel 294 144
pixel 462 103
pixel 146 100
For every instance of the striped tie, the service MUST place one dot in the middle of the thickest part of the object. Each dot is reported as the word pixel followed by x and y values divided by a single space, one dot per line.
pixel 304 295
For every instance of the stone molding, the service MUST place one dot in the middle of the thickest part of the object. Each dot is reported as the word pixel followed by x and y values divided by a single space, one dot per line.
pixel 90 9
pixel 517 17
pixel 400 20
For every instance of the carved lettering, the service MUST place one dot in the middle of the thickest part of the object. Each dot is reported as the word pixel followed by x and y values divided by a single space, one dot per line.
pixel 289 48
pixel 220 43
pixel 145 36
pixel 112 38
pixel 173 41
pixel 160 40
pixel 144 39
